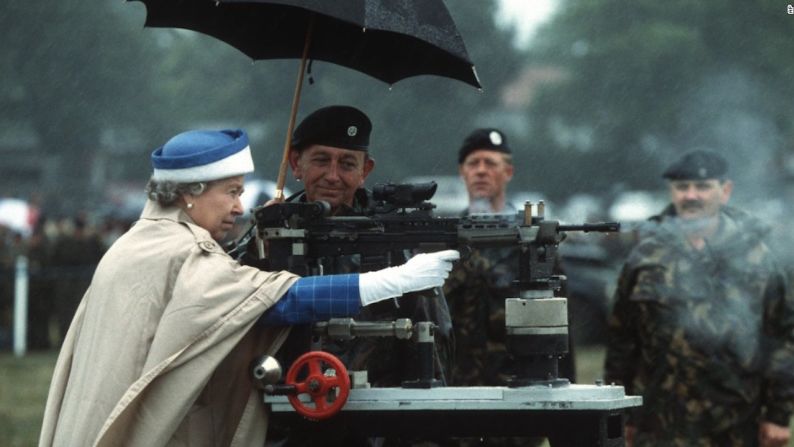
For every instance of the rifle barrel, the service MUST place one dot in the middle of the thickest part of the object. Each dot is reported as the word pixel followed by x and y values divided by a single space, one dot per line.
pixel 602 227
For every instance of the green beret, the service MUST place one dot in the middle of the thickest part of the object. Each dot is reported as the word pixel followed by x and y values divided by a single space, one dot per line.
pixel 489 138
pixel 336 126
pixel 697 165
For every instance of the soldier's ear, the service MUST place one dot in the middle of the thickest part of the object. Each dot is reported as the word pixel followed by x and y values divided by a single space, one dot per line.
pixel 294 156
pixel 369 165
pixel 509 171
pixel 727 189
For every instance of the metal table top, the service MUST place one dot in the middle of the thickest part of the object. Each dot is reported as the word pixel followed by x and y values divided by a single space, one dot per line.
pixel 529 398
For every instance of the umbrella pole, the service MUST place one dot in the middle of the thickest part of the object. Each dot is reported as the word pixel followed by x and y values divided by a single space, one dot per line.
pixel 282 171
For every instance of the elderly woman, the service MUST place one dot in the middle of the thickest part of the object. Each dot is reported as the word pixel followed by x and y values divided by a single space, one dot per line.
pixel 159 349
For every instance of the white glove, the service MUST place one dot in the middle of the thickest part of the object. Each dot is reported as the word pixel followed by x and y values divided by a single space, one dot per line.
pixel 423 271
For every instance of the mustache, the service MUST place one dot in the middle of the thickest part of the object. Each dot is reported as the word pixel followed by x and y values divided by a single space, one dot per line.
pixel 692 204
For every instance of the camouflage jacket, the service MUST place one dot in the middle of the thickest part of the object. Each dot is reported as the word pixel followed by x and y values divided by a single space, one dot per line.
pixel 477 288
pixel 705 336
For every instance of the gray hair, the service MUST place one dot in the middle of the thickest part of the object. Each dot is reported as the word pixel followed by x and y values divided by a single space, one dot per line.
pixel 167 193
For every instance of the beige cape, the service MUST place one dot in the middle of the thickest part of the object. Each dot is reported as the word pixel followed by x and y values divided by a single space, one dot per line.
pixel 159 350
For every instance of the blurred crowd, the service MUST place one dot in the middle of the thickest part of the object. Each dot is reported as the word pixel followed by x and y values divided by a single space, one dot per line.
pixel 62 253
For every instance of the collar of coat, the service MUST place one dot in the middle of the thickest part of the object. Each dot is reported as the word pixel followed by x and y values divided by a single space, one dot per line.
pixel 154 211
pixel 738 229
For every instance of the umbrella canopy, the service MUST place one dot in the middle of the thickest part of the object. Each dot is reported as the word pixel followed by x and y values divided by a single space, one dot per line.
pixel 386 39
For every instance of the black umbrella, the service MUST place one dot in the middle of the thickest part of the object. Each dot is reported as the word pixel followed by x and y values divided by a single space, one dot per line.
pixel 387 39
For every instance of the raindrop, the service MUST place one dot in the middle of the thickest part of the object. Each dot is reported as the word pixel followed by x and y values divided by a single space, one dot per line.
pixel 217 3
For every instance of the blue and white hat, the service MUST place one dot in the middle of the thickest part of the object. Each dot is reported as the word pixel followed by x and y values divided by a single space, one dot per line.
pixel 202 156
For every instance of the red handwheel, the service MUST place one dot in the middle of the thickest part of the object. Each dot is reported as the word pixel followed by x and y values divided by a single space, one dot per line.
pixel 319 386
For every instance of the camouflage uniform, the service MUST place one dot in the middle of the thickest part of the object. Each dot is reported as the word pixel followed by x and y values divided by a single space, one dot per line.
pixel 477 288
pixel 387 360
pixel 706 337
pixel 40 291
pixel 74 259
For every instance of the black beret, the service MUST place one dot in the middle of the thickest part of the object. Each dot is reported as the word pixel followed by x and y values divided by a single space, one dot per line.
pixel 489 138
pixel 336 126
pixel 697 165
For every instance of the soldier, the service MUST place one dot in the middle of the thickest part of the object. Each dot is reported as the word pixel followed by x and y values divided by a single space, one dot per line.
pixel 330 156
pixel 75 255
pixel 478 286
pixel 40 289
pixel 10 247
pixel 485 164
pixel 701 326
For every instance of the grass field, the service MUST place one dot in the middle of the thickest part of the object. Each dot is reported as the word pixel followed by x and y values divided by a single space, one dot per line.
pixel 23 390
pixel 24 383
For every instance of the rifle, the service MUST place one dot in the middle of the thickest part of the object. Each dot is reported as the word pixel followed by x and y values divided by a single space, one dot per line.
pixel 302 237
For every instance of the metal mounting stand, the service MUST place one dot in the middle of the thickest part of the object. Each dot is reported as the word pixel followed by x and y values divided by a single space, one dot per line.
pixel 573 415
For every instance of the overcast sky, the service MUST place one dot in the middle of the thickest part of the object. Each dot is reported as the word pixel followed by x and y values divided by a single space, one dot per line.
pixel 526 15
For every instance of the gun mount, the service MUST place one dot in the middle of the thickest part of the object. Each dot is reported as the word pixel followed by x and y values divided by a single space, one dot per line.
pixel 305 239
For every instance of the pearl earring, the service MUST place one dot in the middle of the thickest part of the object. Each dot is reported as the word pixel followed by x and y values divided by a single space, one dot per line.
pixel 190 206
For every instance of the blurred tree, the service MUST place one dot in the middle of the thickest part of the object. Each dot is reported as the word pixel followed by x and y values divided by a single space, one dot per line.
pixel 211 84
pixel 73 70
pixel 425 120
pixel 647 80
pixel 86 76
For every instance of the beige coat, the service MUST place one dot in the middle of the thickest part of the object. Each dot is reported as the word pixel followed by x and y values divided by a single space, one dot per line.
pixel 159 350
